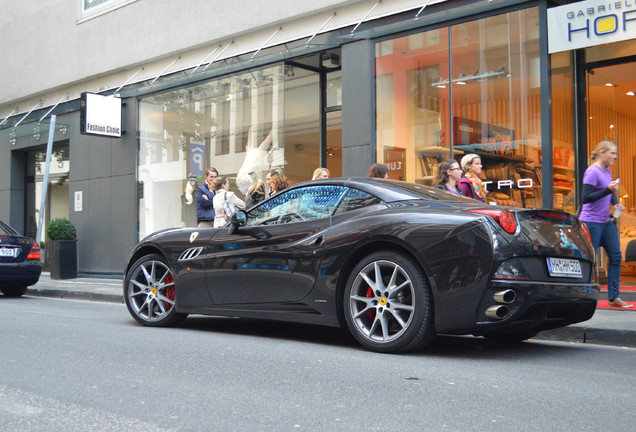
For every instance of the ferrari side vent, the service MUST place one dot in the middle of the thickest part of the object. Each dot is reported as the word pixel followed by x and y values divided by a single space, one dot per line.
pixel 191 253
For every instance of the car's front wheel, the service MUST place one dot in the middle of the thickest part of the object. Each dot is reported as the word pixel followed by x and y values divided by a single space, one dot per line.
pixel 149 292
pixel 388 305
pixel 14 290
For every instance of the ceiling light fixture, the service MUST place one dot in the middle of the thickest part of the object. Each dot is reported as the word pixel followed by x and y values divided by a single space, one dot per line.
pixel 463 79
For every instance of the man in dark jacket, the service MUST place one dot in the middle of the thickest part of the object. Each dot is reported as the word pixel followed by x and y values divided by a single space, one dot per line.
pixel 205 193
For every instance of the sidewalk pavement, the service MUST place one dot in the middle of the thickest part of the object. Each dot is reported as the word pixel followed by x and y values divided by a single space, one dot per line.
pixel 607 327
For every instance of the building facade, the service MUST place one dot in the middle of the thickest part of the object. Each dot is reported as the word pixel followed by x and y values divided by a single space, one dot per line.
pixel 247 86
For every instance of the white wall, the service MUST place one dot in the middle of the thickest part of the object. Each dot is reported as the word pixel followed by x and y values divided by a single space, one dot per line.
pixel 48 51
pixel 43 45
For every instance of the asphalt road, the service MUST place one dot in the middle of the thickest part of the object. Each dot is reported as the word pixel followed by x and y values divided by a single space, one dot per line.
pixel 87 366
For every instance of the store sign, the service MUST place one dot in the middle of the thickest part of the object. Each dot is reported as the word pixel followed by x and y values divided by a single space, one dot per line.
pixel 589 23
pixel 100 115
pixel 523 183
pixel 197 158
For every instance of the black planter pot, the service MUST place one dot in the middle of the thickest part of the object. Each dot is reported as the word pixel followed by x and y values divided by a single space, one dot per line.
pixel 63 259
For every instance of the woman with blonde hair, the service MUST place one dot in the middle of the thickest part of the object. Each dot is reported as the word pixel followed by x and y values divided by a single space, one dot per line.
pixel 471 185
pixel 321 173
pixel 224 199
pixel 447 176
pixel 599 191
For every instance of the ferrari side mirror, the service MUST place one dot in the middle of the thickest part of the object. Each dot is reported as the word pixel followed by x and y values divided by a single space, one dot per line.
pixel 238 219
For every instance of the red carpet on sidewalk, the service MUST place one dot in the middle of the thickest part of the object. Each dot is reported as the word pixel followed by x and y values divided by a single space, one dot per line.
pixel 602 304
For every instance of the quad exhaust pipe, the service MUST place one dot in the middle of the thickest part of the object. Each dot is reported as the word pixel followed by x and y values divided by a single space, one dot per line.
pixel 497 312
pixel 506 296
pixel 501 311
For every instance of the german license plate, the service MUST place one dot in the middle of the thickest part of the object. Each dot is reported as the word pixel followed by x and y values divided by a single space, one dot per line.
pixel 7 252
pixel 563 267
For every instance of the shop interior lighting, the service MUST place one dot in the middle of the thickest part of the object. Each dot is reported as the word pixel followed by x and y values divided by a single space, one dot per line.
pixel 630 93
pixel 478 76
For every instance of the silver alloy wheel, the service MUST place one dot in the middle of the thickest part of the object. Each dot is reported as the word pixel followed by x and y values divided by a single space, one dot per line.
pixel 150 291
pixel 382 301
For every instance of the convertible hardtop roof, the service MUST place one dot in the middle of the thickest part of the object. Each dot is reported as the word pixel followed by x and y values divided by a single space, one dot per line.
pixel 388 190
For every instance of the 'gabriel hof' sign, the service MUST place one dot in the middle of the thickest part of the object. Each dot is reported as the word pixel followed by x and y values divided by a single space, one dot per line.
pixel 100 115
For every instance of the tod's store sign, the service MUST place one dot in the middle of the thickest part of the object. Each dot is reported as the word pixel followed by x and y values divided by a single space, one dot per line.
pixel 589 23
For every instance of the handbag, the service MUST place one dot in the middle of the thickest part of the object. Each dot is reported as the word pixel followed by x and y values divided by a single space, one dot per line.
pixel 229 208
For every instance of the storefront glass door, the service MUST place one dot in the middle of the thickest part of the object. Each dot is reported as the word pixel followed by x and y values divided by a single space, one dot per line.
pixel 57 194
pixel 611 116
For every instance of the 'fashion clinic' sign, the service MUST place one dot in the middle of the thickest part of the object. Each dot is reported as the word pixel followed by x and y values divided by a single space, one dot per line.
pixel 100 115
pixel 589 23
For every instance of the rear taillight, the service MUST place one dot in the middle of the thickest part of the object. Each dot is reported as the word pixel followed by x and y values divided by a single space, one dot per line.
pixel 35 252
pixel 503 217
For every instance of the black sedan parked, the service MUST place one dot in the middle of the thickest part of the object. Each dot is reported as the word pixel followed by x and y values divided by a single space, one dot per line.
pixel 395 263
pixel 20 264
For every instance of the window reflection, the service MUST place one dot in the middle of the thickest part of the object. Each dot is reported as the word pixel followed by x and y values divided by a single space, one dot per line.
pixel 480 96
pixel 243 125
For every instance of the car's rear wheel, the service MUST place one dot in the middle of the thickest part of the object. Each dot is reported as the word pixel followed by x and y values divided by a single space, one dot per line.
pixel 14 290
pixel 149 292
pixel 388 305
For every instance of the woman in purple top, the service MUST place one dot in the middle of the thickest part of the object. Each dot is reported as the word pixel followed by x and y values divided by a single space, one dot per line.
pixel 599 190
pixel 447 176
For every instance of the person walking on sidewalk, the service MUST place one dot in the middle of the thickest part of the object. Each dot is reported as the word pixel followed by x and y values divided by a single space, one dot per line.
pixel 599 191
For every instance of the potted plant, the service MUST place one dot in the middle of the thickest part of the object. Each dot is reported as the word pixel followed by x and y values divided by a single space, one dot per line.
pixel 62 248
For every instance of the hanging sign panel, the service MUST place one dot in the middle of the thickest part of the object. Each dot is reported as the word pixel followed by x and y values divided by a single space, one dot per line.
pixel 100 115
pixel 589 23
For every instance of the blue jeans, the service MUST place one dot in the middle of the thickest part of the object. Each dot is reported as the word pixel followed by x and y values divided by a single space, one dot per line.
pixel 606 235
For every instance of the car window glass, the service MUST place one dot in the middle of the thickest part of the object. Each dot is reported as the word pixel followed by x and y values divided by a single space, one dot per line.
pixel 355 199
pixel 6 230
pixel 297 205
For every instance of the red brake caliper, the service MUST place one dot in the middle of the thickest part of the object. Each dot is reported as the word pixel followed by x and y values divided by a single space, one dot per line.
pixel 371 313
pixel 169 291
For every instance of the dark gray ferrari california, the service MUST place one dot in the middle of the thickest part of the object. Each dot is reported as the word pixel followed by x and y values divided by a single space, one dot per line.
pixel 395 263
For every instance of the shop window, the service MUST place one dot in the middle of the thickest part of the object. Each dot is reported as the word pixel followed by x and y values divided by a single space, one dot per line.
pixel 480 96
pixel 563 161
pixel 243 125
